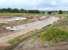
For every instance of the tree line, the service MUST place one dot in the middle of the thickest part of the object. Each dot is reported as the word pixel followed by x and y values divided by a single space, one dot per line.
pixel 15 10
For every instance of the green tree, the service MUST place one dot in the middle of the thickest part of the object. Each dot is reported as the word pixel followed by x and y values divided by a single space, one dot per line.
pixel 49 12
pixel 60 12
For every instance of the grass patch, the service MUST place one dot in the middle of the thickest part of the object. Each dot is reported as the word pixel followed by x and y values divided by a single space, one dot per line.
pixel 54 34
pixel 21 14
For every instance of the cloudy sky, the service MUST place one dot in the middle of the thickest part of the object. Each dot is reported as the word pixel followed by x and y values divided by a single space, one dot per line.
pixel 35 4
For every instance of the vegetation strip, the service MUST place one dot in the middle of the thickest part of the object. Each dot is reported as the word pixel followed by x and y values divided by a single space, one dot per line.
pixel 14 42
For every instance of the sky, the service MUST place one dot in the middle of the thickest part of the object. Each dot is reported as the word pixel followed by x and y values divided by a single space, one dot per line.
pixel 35 4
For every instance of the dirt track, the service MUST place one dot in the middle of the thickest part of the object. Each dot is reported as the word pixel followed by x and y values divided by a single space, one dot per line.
pixel 23 29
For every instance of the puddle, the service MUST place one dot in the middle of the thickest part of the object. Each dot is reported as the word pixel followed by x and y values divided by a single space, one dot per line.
pixel 16 18
pixel 8 19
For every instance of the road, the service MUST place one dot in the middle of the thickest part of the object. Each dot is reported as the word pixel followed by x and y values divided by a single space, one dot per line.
pixel 23 29
pixel 32 41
